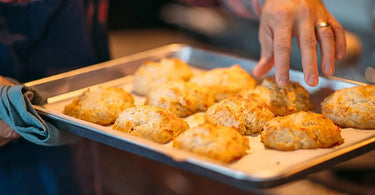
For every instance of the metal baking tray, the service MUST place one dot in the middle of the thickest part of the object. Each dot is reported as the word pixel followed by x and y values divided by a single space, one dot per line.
pixel 260 168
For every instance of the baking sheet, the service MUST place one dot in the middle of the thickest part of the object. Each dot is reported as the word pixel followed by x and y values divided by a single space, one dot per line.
pixel 260 168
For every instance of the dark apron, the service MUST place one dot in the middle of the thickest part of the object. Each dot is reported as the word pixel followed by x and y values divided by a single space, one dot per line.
pixel 40 39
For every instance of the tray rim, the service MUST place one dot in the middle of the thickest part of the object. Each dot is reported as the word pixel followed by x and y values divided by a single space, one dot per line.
pixel 272 181
pixel 174 46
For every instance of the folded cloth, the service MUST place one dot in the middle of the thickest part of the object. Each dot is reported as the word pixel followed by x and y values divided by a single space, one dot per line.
pixel 17 111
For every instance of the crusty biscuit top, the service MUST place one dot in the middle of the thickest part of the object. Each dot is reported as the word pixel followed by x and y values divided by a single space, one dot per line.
pixel 218 142
pixel 101 106
pixel 150 122
pixel 352 107
pixel 181 98
pixel 282 100
pixel 301 130
pixel 225 82
pixel 151 74
pixel 248 118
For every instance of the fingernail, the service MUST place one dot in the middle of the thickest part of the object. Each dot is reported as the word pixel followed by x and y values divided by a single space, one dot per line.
pixel 283 81
pixel 330 71
pixel 313 80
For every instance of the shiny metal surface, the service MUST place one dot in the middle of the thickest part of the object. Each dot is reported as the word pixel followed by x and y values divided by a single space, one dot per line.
pixel 116 69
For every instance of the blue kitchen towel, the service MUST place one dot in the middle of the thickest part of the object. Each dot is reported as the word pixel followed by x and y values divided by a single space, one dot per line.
pixel 17 111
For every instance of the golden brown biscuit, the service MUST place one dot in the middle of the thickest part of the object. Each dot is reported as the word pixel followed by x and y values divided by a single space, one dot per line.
pixel 282 100
pixel 101 106
pixel 151 74
pixel 301 130
pixel 195 119
pixel 150 122
pixel 240 113
pixel 217 142
pixel 351 107
pixel 225 82
pixel 180 98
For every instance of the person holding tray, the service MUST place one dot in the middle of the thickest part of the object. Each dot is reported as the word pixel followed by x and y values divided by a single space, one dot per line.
pixel 39 38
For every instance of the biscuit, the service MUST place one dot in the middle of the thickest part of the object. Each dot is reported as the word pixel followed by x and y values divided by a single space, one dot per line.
pixel 151 74
pixel 301 130
pixel 180 98
pixel 101 106
pixel 282 100
pixel 239 113
pixel 217 142
pixel 351 107
pixel 150 122
pixel 225 82
pixel 195 119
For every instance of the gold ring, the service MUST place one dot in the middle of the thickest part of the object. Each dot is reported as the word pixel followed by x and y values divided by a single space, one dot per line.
pixel 321 25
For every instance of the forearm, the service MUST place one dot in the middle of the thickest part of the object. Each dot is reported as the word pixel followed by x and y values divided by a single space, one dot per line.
pixel 250 9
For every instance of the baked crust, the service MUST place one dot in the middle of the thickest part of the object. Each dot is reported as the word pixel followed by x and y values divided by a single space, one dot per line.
pixel 248 118
pixel 351 107
pixel 180 98
pixel 282 100
pixel 101 106
pixel 225 82
pixel 195 119
pixel 217 142
pixel 150 122
pixel 151 74
pixel 301 130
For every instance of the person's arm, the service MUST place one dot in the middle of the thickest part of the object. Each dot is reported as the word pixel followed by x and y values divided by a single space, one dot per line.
pixel 7 134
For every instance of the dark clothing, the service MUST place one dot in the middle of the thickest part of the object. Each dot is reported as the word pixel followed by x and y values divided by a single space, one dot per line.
pixel 43 38
pixel 26 168
pixel 40 38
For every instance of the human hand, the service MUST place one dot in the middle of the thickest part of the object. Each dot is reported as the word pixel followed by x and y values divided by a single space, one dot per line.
pixel 7 134
pixel 282 20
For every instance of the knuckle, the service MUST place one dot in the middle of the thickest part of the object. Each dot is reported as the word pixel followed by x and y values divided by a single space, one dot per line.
pixel 283 14
pixel 304 11
pixel 13 134
pixel 327 35
pixel 283 67
pixel 309 42
pixel 266 51
pixel 283 47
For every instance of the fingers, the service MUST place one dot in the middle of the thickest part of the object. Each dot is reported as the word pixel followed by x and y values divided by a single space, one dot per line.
pixel 282 52
pixel 266 61
pixel 326 39
pixel 4 141
pixel 339 37
pixel 280 21
pixel 308 45
pixel 6 133
pixel 276 50
pixel 3 81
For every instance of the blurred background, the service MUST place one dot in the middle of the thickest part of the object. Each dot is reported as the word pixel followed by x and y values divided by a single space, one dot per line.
pixel 160 22
pixel 136 26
